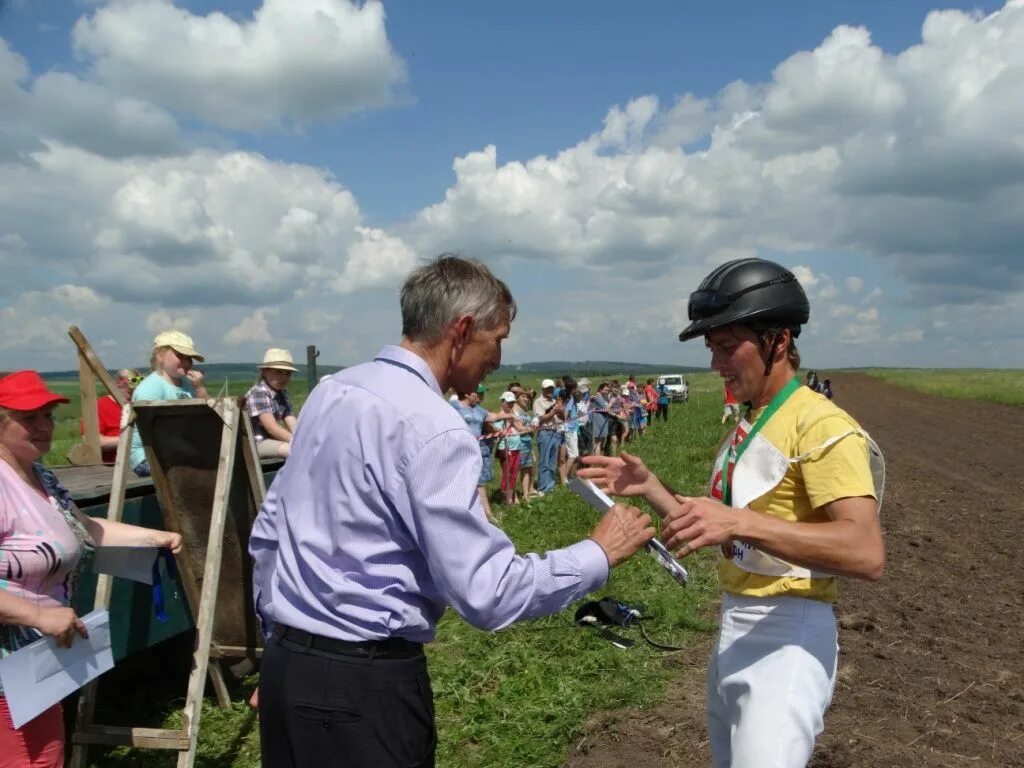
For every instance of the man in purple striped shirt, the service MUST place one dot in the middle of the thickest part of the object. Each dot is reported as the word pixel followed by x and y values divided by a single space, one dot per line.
pixel 374 526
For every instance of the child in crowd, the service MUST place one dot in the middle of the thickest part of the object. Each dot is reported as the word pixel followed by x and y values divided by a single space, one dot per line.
pixel 173 378
pixel 509 445
pixel 651 396
pixel 523 416
pixel 269 408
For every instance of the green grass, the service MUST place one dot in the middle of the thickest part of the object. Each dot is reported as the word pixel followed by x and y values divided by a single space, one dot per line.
pixel 519 697
pixel 996 385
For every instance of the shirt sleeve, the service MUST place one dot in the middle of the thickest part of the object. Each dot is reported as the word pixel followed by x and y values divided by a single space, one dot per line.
pixel 257 401
pixel 263 546
pixel 109 416
pixel 149 389
pixel 839 471
pixel 473 564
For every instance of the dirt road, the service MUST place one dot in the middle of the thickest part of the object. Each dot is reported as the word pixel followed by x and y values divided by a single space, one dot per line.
pixel 932 657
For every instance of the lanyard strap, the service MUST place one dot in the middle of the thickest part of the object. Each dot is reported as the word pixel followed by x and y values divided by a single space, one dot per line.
pixel 734 453
pixel 397 364
pixel 158 588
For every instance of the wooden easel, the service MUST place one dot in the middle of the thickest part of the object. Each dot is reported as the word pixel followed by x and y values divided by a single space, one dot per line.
pixel 90 368
pixel 229 488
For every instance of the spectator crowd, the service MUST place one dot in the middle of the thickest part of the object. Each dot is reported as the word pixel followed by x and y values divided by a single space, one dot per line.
pixel 539 438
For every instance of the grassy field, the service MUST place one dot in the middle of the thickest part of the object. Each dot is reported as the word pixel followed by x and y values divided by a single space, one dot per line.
pixel 520 696
pixel 998 386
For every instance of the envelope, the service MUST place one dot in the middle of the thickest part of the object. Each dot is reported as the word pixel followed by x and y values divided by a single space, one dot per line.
pixel 39 675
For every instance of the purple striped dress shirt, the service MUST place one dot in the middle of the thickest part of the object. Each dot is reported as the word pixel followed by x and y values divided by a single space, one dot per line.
pixel 374 524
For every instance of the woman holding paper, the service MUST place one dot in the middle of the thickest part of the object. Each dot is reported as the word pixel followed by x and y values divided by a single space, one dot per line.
pixel 45 542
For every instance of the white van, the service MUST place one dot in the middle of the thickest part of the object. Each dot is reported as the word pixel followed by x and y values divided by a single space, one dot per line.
pixel 676 385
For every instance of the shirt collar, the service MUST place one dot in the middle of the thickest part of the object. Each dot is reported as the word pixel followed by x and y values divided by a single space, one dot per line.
pixel 399 355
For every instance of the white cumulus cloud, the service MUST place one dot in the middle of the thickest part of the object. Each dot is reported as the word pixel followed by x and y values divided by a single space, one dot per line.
pixel 62 106
pixel 913 157
pixel 201 229
pixel 252 329
pixel 291 62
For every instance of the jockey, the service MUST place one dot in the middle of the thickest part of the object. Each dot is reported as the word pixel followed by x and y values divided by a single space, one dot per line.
pixel 793 502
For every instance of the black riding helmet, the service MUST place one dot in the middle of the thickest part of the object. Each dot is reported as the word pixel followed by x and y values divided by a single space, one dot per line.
pixel 747 291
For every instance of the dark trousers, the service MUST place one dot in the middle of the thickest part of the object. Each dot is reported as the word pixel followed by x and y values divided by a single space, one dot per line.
pixel 326 710
pixel 586 440
pixel 663 411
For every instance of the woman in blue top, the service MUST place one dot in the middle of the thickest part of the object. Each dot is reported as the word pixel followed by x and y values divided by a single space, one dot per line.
pixel 476 416
pixel 173 378
pixel 599 418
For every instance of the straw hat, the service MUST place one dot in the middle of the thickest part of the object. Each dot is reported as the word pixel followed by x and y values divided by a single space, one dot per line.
pixel 180 342
pixel 280 359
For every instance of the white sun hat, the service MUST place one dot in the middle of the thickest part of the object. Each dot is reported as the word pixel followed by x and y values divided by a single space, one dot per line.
pixel 280 359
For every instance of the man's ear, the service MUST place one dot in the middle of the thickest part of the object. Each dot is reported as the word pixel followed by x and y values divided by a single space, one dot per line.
pixel 783 341
pixel 463 330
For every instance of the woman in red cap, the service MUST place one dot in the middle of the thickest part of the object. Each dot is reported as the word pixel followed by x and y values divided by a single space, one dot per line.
pixel 45 542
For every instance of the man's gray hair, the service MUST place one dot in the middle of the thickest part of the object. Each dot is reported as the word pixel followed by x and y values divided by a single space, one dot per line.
pixel 447 288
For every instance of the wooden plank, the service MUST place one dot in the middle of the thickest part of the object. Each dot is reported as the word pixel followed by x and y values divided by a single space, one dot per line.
pixel 234 652
pixel 94 363
pixel 94 482
pixel 211 575
pixel 220 686
pixel 257 485
pixel 89 452
pixel 149 738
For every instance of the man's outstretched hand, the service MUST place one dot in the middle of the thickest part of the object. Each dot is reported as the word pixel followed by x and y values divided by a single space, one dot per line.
pixel 621 532
pixel 622 475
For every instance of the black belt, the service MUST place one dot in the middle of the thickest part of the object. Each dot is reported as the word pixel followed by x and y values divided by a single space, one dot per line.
pixel 392 648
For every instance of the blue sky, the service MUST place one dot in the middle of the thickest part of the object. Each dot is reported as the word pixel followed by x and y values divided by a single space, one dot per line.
pixel 267 177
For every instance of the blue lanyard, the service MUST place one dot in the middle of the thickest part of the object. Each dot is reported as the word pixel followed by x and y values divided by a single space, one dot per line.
pixel 397 364
pixel 158 587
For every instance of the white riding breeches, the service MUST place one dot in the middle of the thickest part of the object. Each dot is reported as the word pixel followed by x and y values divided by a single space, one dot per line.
pixel 770 680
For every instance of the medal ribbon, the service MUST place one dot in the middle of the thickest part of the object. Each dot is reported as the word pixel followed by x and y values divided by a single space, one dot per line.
pixel 736 451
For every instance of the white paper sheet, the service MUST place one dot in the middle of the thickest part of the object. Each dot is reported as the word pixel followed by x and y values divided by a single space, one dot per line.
pixel 39 675
pixel 135 563
pixel 600 501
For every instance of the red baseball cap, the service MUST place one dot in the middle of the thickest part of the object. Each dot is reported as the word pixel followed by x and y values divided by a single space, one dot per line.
pixel 26 391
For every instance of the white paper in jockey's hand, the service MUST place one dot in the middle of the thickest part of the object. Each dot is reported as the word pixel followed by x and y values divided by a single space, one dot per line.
pixel 591 494
pixel 600 501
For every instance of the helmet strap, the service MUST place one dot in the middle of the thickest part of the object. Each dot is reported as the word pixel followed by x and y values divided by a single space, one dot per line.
pixel 770 358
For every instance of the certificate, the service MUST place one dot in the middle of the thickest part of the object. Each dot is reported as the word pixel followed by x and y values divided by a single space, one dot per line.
pixel 39 675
